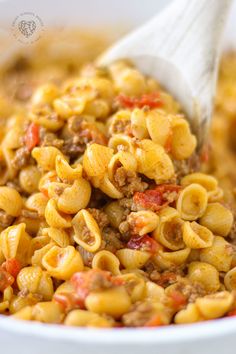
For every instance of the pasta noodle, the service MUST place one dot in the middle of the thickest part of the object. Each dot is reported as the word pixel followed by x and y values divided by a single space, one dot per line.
pixel 109 214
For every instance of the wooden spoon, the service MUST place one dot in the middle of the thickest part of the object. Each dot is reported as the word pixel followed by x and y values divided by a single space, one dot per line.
pixel 180 47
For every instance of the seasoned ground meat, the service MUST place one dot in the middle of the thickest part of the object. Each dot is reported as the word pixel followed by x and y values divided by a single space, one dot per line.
pixel 100 217
pixel 5 219
pixel 185 167
pixel 111 240
pixel 128 206
pixel 86 235
pixel 128 182
pixel 99 282
pixel 191 290
pixel 86 256
pixel 21 158
pixel 75 124
pixel 73 147
pixel 120 126
pixel 50 139
pixel 31 214
pixel 82 132
pixel 139 314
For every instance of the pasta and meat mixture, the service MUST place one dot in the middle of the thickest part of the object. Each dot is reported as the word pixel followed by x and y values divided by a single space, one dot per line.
pixel 106 219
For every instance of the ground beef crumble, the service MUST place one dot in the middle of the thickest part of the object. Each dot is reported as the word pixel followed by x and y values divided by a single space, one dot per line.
pixel 100 217
pixel 120 126
pixel 73 147
pixel 191 291
pixel 139 314
pixel 111 240
pixel 31 214
pixel 21 158
pixel 99 282
pixel 185 167
pixel 86 256
pixel 5 219
pixel 50 139
pixel 81 132
pixel 128 182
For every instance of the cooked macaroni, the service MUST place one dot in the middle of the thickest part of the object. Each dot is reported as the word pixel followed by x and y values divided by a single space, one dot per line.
pixel 106 218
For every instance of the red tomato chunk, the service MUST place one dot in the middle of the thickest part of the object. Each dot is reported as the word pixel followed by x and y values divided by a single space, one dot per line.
pixel 151 100
pixel 6 279
pixel 93 280
pixel 143 243
pixel 69 301
pixel 12 266
pixel 32 136
pixel 157 198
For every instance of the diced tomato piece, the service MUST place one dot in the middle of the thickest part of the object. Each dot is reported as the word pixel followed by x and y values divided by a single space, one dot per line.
pixel 93 280
pixel 204 156
pixel 32 136
pixel 6 279
pixel 151 100
pixel 157 198
pixel 168 144
pixel 144 243
pixel 69 301
pixel 149 199
pixel 232 313
pixel 155 321
pixel 93 134
pixel 12 266
pixel 167 278
pixel 178 300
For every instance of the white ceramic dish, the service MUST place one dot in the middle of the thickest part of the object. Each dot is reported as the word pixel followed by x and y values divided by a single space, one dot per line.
pixel 17 337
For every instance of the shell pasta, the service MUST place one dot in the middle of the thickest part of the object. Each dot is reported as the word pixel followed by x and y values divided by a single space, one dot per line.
pixel 106 219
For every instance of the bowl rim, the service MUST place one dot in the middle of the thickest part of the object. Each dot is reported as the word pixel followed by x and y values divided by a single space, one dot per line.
pixel 122 336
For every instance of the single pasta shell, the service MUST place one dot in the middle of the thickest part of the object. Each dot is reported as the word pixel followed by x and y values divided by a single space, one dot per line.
pixel 29 278
pixel 109 189
pixel 75 198
pixel 10 201
pixel 190 314
pixel 166 260
pixel 53 217
pixel 192 202
pixel 46 157
pixel 106 260
pixel 37 202
pixel 230 279
pixel 197 236
pixel 83 318
pixel 62 263
pixel 59 236
pixel 204 274
pixel 65 171
pixel 84 220
pixel 96 159
pixel 215 305
pixel 131 259
pixel 113 302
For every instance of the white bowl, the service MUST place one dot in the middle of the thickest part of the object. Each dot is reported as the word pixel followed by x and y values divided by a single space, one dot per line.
pixel 34 338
